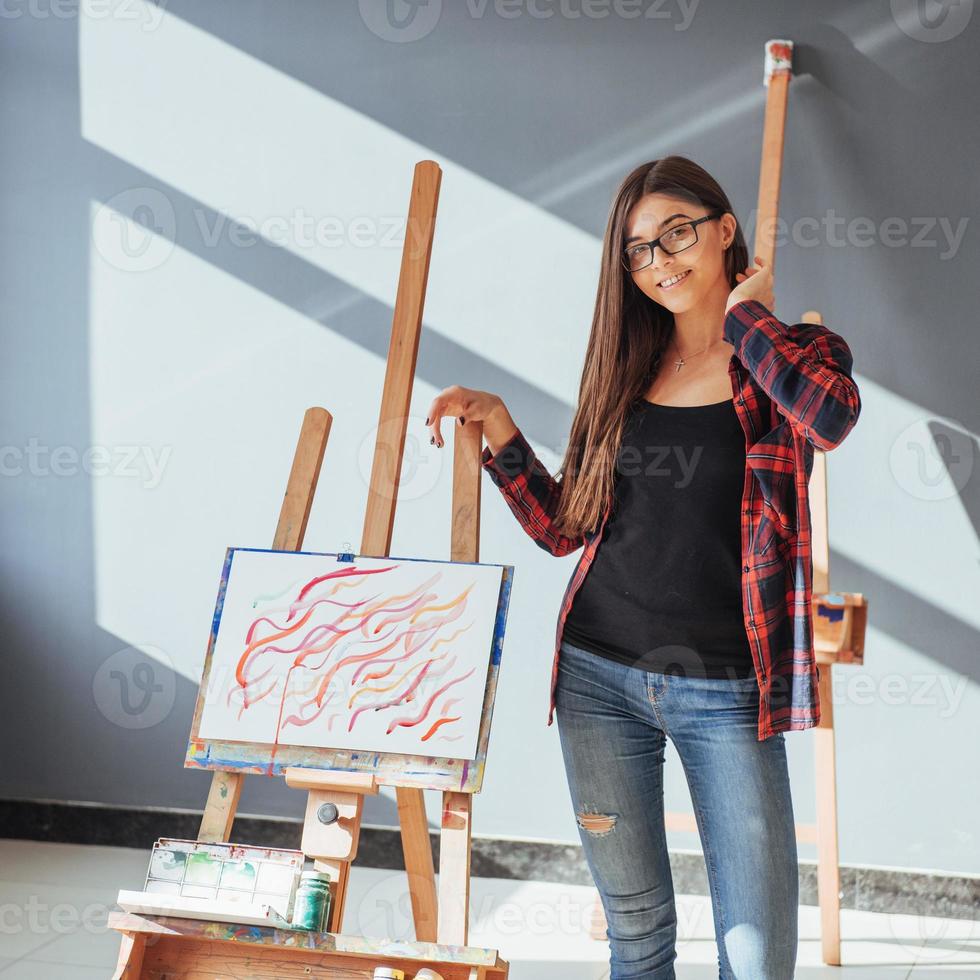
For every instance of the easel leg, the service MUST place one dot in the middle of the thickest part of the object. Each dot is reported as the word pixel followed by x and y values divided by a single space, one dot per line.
pixel 220 809
pixel 130 963
pixel 417 849
pixel 337 913
pixel 771 165
pixel 454 868
pixel 828 860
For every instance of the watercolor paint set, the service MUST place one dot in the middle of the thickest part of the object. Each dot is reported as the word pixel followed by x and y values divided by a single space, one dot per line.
pixel 233 882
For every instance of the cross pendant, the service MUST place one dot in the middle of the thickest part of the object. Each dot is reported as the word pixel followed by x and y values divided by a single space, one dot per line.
pixel 679 365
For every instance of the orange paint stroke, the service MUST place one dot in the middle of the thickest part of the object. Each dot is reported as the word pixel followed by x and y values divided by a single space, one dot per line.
pixel 357 658
pixel 408 722
pixel 367 690
pixel 242 692
pixel 383 660
pixel 377 707
pixel 441 721
pixel 378 674
pixel 401 611
pixel 240 671
pixel 260 647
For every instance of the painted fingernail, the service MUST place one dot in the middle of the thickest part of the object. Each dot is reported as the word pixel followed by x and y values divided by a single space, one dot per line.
pixel 427 420
pixel 462 421
pixel 432 440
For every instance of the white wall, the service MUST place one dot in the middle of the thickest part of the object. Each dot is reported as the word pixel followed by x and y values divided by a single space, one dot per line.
pixel 144 322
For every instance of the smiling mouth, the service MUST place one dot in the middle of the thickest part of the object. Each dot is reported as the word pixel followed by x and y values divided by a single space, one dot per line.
pixel 674 280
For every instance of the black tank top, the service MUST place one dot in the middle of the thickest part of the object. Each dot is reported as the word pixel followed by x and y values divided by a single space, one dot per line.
pixel 663 592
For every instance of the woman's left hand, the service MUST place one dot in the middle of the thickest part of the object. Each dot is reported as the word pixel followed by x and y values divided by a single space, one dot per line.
pixel 755 283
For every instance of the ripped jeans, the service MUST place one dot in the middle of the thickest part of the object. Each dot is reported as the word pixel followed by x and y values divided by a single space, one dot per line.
pixel 614 722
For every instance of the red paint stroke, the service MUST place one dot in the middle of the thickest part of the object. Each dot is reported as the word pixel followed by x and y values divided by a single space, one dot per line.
pixel 309 638
pixel 334 576
pixel 247 701
pixel 392 660
pixel 413 605
pixel 447 668
pixel 432 673
pixel 287 630
pixel 260 648
pixel 387 704
pixel 300 722
pixel 357 658
pixel 409 722
pixel 241 691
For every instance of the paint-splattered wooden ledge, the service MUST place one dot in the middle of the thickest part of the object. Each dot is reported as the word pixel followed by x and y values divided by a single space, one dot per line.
pixel 155 946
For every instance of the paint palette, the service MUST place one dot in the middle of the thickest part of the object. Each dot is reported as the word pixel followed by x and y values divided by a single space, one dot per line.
pixel 225 873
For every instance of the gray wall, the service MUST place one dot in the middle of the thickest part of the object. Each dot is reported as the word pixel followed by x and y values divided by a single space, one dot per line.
pixel 158 355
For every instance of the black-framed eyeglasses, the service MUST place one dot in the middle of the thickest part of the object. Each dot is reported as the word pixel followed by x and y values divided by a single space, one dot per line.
pixel 640 254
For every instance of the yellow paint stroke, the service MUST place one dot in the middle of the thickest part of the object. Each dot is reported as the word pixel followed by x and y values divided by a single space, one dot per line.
pixel 449 639
pixel 332 669
pixel 442 608
pixel 386 600
pixel 365 690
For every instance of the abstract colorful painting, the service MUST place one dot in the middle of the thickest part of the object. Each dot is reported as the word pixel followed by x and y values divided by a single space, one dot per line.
pixel 376 654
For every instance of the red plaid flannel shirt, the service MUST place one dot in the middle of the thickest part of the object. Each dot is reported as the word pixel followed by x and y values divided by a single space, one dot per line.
pixel 793 393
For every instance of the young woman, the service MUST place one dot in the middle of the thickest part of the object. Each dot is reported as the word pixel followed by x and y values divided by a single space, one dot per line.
pixel 688 460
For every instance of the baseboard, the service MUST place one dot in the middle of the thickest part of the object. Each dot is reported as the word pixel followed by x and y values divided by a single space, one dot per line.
pixel 871 889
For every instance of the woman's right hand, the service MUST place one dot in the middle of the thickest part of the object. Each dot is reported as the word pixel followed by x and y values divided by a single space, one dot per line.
pixel 469 405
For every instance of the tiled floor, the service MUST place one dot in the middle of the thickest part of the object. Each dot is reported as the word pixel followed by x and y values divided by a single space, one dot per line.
pixel 54 899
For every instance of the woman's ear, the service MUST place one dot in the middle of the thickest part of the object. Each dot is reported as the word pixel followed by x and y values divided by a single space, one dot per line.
pixel 728 226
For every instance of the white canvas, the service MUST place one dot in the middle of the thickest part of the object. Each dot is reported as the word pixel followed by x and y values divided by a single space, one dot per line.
pixel 374 654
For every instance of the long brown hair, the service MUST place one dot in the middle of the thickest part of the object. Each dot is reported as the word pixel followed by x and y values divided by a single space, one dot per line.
pixel 629 334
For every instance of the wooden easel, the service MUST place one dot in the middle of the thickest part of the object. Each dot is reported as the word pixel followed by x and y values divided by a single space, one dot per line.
pixel 331 828
pixel 839 619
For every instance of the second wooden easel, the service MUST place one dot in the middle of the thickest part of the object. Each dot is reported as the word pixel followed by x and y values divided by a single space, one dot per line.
pixel 335 798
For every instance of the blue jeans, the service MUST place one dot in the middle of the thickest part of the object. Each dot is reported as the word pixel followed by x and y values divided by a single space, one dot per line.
pixel 614 722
